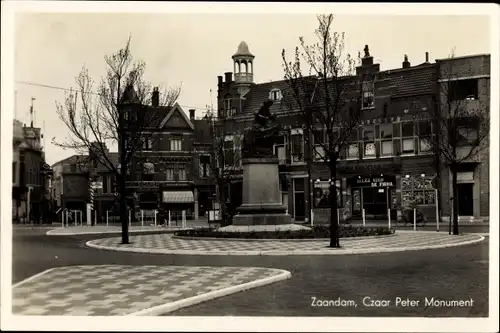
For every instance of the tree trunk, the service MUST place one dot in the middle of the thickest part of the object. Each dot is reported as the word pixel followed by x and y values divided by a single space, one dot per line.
pixel 455 199
pixel 123 208
pixel 334 223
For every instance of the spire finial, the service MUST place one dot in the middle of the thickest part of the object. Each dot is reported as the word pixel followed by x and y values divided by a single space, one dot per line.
pixel 367 51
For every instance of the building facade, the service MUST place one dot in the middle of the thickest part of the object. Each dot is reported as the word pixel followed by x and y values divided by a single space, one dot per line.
pixel 387 165
pixel 466 80
pixel 31 176
pixel 164 172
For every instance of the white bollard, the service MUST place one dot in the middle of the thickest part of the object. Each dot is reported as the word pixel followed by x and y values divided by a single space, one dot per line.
pixel 437 209
pixel 338 216
pixel 312 218
pixel 169 218
pixel 107 218
pixel 63 216
pixel 184 223
pixel 389 217
pixel 414 219
pixel 156 212
pixel 142 218
pixel 364 218
pixel 130 218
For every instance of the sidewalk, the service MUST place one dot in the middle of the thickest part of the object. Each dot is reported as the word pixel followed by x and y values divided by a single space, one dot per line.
pixel 396 224
pixel 400 241
pixel 115 290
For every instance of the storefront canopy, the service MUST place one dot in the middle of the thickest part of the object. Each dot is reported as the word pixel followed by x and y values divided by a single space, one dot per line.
pixel 178 197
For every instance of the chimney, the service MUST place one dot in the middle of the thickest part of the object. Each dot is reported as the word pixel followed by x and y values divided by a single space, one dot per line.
pixel 406 63
pixel 229 77
pixel 219 80
pixel 155 98
pixel 191 113
pixel 426 57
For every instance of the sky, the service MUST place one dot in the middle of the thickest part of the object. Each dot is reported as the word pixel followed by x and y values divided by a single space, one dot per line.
pixel 193 49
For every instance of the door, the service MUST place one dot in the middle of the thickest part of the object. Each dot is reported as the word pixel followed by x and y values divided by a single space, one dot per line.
pixel 300 206
pixel 375 200
pixel 465 200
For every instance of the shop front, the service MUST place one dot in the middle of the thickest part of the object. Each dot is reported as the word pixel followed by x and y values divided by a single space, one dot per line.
pixel 373 194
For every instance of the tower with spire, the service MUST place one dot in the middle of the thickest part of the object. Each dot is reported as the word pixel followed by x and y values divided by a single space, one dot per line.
pixel 243 62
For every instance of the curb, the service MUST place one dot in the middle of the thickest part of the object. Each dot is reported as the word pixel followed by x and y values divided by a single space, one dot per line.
pixel 52 232
pixel 284 253
pixel 170 307
pixel 33 277
pixel 278 239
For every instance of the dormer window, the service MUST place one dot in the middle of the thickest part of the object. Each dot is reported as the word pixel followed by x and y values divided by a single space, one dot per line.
pixel 275 95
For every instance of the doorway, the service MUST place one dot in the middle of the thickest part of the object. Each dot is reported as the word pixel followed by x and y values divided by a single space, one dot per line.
pixel 375 200
pixel 465 199
pixel 300 206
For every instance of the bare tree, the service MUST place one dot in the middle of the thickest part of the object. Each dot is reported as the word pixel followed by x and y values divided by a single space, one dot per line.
pixel 119 112
pixel 462 120
pixel 328 98
pixel 225 161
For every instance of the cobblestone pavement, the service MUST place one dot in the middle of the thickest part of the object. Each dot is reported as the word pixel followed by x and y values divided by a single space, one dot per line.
pixel 109 290
pixel 401 241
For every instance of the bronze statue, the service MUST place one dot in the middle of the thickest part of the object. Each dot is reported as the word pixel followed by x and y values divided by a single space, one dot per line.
pixel 259 140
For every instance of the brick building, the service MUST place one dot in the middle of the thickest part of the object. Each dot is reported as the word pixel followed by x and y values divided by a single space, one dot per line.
pixel 30 175
pixel 388 164
pixel 470 78
pixel 164 173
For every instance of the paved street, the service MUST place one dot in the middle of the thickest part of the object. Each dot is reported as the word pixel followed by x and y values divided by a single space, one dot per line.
pixel 451 273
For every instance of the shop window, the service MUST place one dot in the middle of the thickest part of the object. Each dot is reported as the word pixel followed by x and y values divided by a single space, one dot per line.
pixel 147 144
pixel 386 145
pixel 229 153
pixel 408 140
pixel 297 145
pixel 417 190
pixel 322 194
pixel 369 141
pixel 181 174
pixel 169 174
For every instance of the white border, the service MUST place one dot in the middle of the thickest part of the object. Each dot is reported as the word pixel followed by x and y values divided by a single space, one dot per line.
pixel 241 323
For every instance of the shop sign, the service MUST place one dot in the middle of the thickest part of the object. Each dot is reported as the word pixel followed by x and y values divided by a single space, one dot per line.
pixel 375 182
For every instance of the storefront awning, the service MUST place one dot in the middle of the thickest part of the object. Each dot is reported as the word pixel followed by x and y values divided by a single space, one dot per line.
pixel 178 197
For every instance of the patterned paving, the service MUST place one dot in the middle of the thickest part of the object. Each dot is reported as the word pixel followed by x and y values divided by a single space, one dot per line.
pixel 113 290
pixel 165 243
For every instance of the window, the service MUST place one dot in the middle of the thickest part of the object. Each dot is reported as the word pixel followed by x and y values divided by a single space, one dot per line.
pixel 204 165
pixel 227 104
pixel 147 144
pixel 280 149
pixel 176 144
pixel 353 146
pixel 322 194
pixel 408 140
pixel 169 174
pixel 107 184
pixel 181 174
pixel 368 94
pixel 417 190
pixel 148 168
pixel 318 137
pixel 275 95
pixel 14 172
pixel 369 141
pixel 237 150
pixel 425 136
pixel 460 90
pixel 229 153
pixel 297 145
pixel 386 146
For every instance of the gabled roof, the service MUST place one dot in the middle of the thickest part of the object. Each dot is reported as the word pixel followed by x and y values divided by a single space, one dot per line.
pixel 178 108
pixel 259 93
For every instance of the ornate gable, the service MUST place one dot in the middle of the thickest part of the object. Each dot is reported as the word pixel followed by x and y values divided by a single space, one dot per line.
pixel 176 118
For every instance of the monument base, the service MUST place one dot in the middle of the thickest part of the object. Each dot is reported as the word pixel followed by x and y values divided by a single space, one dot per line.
pixel 262 219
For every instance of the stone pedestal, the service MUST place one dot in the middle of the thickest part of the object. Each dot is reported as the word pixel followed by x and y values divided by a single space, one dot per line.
pixel 261 194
